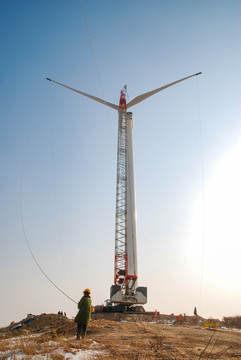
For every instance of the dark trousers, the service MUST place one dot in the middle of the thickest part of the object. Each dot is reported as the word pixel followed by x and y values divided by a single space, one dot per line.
pixel 81 330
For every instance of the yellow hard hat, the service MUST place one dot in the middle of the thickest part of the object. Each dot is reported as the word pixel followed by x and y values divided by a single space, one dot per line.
pixel 86 291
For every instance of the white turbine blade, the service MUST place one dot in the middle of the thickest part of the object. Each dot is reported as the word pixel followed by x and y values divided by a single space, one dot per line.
pixel 150 93
pixel 113 106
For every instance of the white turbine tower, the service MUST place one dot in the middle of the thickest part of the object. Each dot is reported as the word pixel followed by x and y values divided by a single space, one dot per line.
pixel 125 290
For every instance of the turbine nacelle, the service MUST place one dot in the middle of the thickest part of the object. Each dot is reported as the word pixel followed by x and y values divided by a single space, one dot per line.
pixel 122 102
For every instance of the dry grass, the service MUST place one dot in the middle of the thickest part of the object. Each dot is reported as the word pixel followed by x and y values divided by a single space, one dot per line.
pixel 57 357
pixel 50 345
pixel 4 345
pixel 116 339
pixel 27 346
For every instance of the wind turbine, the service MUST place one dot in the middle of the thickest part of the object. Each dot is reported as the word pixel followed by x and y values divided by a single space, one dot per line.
pixel 125 290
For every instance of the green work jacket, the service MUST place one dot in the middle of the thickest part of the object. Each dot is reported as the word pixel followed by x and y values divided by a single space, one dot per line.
pixel 84 313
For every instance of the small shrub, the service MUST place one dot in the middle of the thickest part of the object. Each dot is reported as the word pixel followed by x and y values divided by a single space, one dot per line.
pixel 232 322
pixel 57 356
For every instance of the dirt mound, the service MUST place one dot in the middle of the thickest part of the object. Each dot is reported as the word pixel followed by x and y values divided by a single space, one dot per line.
pixel 62 325
pixel 44 323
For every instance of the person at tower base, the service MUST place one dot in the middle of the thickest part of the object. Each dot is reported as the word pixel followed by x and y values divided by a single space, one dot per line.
pixel 83 317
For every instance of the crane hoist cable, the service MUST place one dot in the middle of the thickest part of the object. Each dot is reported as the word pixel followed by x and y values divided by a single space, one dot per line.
pixel 26 237
pixel 92 49
pixel 20 195
pixel 96 66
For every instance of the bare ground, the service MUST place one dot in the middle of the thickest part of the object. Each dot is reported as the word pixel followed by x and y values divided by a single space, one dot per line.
pixel 130 336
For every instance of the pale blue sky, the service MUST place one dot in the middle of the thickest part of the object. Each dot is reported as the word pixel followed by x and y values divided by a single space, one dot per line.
pixel 64 145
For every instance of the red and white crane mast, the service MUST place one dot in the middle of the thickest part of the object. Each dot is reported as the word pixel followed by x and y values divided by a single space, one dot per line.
pixel 125 272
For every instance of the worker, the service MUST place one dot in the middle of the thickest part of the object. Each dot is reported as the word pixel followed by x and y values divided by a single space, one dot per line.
pixel 83 317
